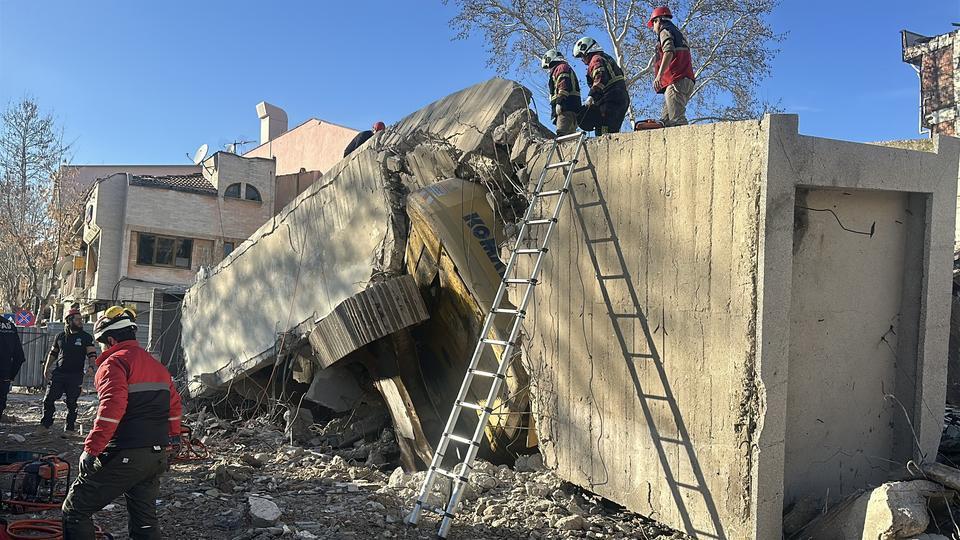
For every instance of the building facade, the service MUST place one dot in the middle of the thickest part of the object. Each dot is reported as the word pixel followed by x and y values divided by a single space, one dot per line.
pixel 936 61
pixel 144 232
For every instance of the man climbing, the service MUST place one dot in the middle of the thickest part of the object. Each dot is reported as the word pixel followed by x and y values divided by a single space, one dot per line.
pixel 362 138
pixel 138 415
pixel 674 77
pixel 608 102
pixel 66 364
pixel 564 92
pixel 11 358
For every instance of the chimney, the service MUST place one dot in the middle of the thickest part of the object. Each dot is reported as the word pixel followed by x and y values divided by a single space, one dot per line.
pixel 273 121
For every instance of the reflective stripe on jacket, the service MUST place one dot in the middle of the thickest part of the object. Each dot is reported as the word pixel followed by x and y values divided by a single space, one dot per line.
pixel 605 78
pixel 564 88
pixel 139 405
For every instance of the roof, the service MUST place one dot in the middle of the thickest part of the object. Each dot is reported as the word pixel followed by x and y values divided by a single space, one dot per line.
pixel 190 183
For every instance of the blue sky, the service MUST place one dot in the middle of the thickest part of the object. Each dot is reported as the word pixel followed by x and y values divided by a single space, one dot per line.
pixel 136 82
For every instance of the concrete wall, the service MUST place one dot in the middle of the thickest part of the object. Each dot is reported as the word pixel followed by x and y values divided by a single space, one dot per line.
pixel 665 342
pixel 314 145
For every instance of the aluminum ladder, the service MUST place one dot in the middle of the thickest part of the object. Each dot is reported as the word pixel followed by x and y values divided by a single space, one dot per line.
pixel 459 474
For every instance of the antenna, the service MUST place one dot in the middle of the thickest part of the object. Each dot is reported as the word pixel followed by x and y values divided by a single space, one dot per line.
pixel 234 147
pixel 200 154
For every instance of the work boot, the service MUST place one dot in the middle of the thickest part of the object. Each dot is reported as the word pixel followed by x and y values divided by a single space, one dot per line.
pixel 70 428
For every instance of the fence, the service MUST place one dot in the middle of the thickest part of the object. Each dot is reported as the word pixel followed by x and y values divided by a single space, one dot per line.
pixel 36 345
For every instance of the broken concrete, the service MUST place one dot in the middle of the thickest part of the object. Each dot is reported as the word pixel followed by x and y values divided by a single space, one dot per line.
pixel 732 315
pixel 338 236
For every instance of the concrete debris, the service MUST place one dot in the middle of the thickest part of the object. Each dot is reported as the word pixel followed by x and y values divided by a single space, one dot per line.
pixel 263 512
pixel 892 511
pixel 531 463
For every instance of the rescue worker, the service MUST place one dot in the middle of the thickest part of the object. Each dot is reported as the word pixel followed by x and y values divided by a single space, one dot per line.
pixel 138 415
pixel 608 99
pixel 362 138
pixel 65 367
pixel 564 92
pixel 674 77
pixel 11 358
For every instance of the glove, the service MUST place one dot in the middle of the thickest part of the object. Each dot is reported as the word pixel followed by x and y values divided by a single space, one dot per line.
pixel 87 463
pixel 174 440
pixel 589 101
pixel 557 111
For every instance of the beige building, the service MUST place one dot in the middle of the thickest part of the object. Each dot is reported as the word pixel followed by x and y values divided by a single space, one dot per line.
pixel 142 232
pixel 303 153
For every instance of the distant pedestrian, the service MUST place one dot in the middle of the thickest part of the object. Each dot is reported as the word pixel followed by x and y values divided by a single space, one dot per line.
pixel 362 138
pixel 138 416
pixel 72 351
pixel 674 77
pixel 11 358
pixel 607 105
pixel 564 92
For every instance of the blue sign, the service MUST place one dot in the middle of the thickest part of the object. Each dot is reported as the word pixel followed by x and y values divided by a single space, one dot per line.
pixel 23 318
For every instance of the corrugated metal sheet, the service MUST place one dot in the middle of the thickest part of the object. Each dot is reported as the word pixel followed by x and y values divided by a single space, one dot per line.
pixel 36 345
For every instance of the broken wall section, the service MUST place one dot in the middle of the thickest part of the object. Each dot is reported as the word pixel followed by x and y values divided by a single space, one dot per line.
pixel 338 235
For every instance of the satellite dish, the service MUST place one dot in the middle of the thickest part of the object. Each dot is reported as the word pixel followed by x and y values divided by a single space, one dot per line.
pixel 200 154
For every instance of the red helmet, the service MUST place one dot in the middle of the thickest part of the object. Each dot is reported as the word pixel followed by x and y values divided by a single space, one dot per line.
pixel 663 11
pixel 378 126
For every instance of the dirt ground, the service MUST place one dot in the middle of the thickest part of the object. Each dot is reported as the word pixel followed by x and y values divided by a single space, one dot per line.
pixel 319 494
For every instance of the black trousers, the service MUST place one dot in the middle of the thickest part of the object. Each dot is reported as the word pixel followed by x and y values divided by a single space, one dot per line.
pixel 4 390
pixel 133 473
pixel 58 387
pixel 604 117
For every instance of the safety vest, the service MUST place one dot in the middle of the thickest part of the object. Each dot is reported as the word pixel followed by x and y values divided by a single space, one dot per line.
pixel 605 77
pixel 564 88
pixel 681 65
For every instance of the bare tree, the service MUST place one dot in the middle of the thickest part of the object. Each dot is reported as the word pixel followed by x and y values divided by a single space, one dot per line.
pixel 31 230
pixel 731 42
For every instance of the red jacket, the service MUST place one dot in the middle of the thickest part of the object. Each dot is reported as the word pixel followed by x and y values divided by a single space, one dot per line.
pixel 139 405
pixel 681 65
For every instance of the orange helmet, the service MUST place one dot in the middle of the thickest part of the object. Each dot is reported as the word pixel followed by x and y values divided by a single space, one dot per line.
pixel 662 11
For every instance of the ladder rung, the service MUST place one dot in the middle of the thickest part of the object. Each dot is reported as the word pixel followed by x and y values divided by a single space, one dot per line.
pixel 559 164
pixel 613 276
pixel 449 474
pixel 531 251
pixel 489 374
pixel 474 406
pixel 510 311
pixel 519 281
pixel 589 204
pixel 542 221
pixel 625 315
pixel 672 441
pixel 567 137
pixel 461 440
pixel 550 193
pixel 658 398
pixel 598 240
pixel 500 342
pixel 689 486
pixel 434 509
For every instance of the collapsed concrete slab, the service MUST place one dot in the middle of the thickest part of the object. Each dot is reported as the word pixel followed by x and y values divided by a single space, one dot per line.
pixel 329 243
pixel 735 316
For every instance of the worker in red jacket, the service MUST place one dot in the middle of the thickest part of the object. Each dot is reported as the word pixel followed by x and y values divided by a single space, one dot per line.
pixel 564 92
pixel 608 101
pixel 123 454
pixel 674 77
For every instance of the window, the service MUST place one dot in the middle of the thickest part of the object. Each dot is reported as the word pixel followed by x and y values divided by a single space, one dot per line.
pixel 253 194
pixel 164 251
pixel 232 191
pixel 227 248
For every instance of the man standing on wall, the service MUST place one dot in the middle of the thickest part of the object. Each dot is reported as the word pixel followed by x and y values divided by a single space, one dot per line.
pixel 674 77
pixel 564 92
pixel 66 364
pixel 11 358
pixel 138 415
pixel 608 102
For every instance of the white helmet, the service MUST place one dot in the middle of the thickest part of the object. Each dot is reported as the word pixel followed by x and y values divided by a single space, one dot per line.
pixel 550 57
pixel 585 46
